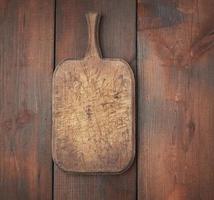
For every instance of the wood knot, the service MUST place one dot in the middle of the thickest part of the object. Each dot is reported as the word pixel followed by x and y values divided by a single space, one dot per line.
pixel 24 117
pixel 191 127
pixel 116 96
pixel 7 124
pixel 89 111
pixel 189 135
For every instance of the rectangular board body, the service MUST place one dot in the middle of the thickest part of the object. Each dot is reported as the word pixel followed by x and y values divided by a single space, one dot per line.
pixel 93 112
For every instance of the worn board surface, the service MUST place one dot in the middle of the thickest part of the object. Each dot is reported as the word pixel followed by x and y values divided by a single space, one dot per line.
pixel 93 111
pixel 117 32
pixel 176 100
pixel 26 60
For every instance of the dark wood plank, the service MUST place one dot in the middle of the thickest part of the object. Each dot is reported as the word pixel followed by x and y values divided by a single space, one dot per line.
pixel 117 39
pixel 176 85
pixel 26 60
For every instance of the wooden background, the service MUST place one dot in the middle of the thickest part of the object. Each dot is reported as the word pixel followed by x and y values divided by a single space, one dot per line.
pixel 168 43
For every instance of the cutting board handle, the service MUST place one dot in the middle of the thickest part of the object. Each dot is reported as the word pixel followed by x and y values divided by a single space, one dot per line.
pixel 93 49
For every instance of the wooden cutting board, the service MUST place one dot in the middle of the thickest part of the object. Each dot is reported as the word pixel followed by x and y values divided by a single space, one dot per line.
pixel 93 110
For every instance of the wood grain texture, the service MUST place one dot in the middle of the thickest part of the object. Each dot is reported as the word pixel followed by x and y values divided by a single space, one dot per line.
pixel 93 111
pixel 176 100
pixel 117 39
pixel 26 55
